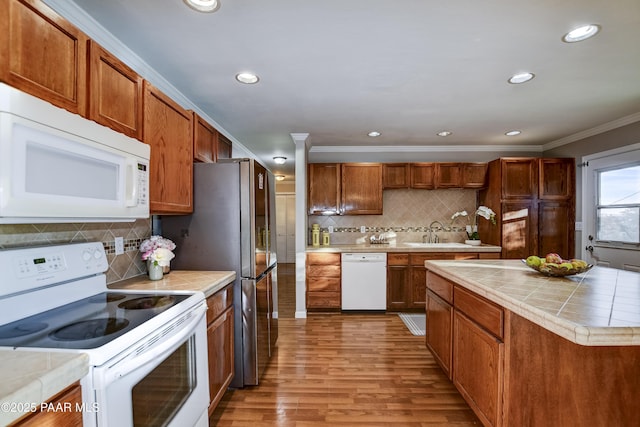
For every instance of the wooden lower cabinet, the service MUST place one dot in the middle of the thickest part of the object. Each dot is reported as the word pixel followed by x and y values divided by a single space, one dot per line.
pixel 220 343
pixel 465 335
pixel 478 363
pixel 406 278
pixel 71 418
pixel 438 333
pixel 324 281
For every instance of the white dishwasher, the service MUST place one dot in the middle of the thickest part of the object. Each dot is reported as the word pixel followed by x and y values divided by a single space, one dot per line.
pixel 364 281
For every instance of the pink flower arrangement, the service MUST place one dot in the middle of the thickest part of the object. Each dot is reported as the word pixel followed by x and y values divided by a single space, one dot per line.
pixel 158 250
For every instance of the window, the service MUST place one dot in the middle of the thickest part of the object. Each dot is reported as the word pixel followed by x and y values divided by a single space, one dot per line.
pixel 618 205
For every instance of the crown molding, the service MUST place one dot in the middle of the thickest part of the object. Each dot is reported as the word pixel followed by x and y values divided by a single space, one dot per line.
pixel 422 148
pixel 605 127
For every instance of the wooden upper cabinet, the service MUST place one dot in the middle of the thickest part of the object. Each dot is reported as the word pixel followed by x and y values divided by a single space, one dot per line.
pixel 556 179
pixel 395 175
pixel 168 129
pixel 448 175
pixel 474 175
pixel 519 177
pixel 223 147
pixel 115 93
pixel 324 188
pixel 422 175
pixel 43 54
pixel 205 139
pixel 361 188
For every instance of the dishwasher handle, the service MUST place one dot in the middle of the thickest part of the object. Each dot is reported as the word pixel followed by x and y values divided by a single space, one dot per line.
pixel 364 257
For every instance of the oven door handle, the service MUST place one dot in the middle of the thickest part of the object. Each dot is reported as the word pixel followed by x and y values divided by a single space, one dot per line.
pixel 160 349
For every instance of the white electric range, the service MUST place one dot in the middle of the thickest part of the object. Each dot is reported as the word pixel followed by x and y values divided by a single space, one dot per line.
pixel 147 350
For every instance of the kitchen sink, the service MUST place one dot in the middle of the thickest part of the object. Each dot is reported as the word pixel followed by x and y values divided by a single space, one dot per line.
pixel 437 245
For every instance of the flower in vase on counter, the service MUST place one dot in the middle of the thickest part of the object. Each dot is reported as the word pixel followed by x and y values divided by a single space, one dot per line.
pixel 158 250
pixel 472 226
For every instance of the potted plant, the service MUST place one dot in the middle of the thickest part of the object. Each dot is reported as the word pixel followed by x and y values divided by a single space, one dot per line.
pixel 473 238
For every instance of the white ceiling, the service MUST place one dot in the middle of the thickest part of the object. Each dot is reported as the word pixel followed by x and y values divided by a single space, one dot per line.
pixel 337 69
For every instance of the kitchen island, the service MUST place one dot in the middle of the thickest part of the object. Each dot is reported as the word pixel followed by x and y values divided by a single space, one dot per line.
pixel 525 349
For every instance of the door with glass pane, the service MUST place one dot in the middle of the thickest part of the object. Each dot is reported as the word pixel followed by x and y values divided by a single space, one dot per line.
pixel 611 210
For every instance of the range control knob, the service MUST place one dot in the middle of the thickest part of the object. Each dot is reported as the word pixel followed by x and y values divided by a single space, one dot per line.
pixel 86 255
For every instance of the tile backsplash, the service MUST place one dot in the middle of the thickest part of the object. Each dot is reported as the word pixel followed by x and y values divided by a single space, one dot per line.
pixel 121 266
pixel 407 212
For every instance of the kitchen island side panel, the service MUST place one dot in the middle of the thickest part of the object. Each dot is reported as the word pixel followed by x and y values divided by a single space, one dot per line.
pixel 550 381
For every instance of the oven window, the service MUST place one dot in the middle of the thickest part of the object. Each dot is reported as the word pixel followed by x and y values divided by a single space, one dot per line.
pixel 161 394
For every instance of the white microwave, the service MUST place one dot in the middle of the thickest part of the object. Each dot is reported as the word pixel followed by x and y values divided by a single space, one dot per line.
pixel 56 166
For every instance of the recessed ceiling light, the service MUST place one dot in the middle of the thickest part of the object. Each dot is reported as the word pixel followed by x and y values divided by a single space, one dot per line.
pixel 581 33
pixel 247 78
pixel 374 133
pixel 279 177
pixel 513 133
pixel 444 133
pixel 521 78
pixel 203 5
pixel 280 160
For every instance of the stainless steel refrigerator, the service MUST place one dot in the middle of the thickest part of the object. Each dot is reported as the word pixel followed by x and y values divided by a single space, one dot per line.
pixel 231 229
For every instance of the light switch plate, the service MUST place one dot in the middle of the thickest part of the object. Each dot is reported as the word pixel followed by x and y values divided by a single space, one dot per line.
pixel 119 243
pixel 363 229
pixel 578 225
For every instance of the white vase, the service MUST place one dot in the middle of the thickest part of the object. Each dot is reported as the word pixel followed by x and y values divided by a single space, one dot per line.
pixel 155 271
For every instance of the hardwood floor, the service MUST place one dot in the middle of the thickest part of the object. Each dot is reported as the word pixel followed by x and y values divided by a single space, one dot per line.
pixel 343 370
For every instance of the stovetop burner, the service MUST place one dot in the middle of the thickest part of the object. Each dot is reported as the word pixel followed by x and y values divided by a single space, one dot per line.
pixel 13 330
pixel 107 297
pixel 89 329
pixel 157 302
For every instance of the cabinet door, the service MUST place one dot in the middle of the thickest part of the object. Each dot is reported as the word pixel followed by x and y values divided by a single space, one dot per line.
pixel 556 224
pixel 324 188
pixel 422 175
pixel 478 360
pixel 474 175
pixel 438 333
pixel 448 175
pixel 519 178
pixel 68 418
pixel 418 290
pixel 556 179
pixel 115 93
pixel 361 188
pixel 518 223
pixel 205 139
pixel 168 129
pixel 43 54
pixel 223 147
pixel 398 281
pixel 395 175
pixel 221 359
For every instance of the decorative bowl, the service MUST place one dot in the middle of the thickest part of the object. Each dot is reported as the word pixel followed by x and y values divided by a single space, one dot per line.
pixel 553 271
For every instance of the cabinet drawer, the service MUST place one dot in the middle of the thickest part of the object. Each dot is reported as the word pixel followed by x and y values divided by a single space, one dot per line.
pixel 440 286
pixel 324 284
pixel 323 271
pixel 485 313
pixel 324 300
pixel 219 302
pixel 397 259
pixel 419 259
pixel 323 259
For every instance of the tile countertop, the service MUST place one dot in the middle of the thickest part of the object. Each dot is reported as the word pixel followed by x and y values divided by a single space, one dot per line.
pixel 208 282
pixel 405 247
pixel 598 308
pixel 30 378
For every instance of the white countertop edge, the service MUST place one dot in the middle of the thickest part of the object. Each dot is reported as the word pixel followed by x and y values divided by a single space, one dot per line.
pixel 578 334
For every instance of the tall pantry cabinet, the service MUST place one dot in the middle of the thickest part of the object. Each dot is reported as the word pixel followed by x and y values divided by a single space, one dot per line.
pixel 534 202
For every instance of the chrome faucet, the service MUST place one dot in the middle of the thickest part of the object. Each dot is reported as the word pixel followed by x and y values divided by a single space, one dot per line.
pixel 426 238
pixel 433 237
